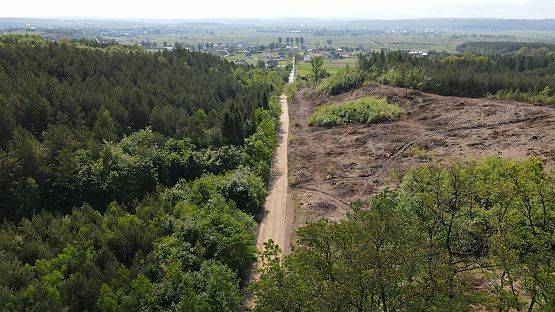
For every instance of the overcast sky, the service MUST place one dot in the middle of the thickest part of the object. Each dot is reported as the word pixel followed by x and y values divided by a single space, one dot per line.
pixel 177 9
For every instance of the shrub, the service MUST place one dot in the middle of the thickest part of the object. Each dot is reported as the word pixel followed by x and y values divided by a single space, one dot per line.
pixel 290 90
pixel 415 78
pixel 546 96
pixel 392 77
pixel 368 110
pixel 341 82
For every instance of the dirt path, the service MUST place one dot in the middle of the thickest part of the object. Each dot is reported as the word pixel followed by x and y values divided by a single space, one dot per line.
pixel 278 219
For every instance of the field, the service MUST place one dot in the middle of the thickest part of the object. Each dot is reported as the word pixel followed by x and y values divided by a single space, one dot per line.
pixel 424 42
pixel 331 66
pixel 330 168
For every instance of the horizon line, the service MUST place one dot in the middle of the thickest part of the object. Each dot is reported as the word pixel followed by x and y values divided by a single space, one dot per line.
pixel 265 18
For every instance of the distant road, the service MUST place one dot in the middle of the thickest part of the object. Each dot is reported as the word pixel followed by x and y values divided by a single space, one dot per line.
pixel 278 219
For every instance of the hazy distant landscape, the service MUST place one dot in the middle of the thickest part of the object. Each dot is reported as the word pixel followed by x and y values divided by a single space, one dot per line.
pixel 423 34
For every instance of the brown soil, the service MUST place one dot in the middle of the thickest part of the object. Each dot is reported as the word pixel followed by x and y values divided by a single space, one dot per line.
pixel 329 168
pixel 277 222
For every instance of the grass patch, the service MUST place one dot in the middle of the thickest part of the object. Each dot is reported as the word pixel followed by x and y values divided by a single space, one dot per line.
pixel 367 110
pixel 331 66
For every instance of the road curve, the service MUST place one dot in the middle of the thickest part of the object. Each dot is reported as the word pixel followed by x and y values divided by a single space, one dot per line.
pixel 278 218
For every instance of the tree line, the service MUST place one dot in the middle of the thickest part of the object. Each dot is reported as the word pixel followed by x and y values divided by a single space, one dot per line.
pixel 493 48
pixel 525 74
pixel 469 75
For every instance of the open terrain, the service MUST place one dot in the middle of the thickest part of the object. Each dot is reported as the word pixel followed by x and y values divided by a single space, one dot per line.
pixel 329 168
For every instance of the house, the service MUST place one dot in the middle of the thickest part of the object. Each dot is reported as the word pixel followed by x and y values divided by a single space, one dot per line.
pixel 418 53
pixel 332 55
pixel 282 56
pixel 242 62
pixel 307 58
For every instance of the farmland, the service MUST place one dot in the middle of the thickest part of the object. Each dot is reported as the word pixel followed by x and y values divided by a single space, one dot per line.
pixel 331 66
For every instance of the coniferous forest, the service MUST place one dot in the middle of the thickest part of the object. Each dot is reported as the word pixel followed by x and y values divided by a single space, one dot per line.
pixel 506 71
pixel 129 180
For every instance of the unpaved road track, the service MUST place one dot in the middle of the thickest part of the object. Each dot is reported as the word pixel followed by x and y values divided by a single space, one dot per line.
pixel 278 219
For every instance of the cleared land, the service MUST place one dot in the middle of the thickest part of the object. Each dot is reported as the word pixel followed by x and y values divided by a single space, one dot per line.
pixel 329 168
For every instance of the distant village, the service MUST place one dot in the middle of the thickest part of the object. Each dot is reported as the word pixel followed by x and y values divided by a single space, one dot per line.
pixel 245 54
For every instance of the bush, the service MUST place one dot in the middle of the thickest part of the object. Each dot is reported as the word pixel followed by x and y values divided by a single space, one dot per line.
pixel 368 110
pixel 341 82
pixel 290 90
pixel 392 77
pixel 546 96
pixel 415 78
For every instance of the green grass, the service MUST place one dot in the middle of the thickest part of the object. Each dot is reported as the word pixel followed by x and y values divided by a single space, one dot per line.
pixel 331 66
pixel 367 110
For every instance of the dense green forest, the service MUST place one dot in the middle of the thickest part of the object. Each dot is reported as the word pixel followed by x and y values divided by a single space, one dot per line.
pixel 129 180
pixel 524 74
pixel 465 236
pixel 469 75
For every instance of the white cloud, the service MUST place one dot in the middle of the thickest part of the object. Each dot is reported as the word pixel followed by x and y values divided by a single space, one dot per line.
pixel 385 9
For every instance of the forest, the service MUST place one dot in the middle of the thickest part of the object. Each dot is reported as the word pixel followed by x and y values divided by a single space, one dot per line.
pixel 470 235
pixel 129 180
pixel 509 71
pixel 493 48
pixel 467 75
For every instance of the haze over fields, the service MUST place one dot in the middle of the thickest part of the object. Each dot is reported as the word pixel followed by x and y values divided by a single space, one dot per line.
pixel 174 9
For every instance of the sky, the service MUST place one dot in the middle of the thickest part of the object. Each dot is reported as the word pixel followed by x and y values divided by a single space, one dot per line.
pixel 199 9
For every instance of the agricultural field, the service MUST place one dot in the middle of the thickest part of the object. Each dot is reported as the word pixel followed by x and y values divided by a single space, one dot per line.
pixel 420 42
pixel 331 66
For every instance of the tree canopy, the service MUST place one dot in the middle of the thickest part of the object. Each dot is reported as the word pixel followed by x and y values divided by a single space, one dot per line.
pixel 454 237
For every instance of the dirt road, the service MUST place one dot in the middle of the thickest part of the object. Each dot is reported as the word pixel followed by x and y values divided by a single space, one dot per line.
pixel 278 218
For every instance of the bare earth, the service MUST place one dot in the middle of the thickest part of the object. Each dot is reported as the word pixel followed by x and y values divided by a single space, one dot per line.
pixel 278 218
pixel 331 167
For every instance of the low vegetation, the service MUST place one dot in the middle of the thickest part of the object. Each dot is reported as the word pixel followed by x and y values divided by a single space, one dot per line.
pixel 546 96
pixel 464 236
pixel 290 91
pixel 343 81
pixel 368 110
